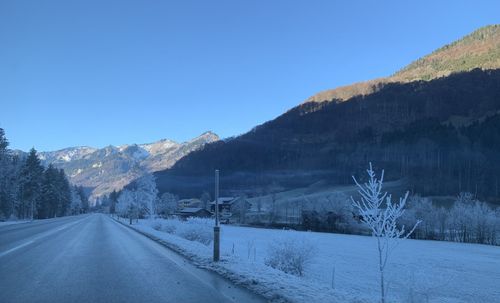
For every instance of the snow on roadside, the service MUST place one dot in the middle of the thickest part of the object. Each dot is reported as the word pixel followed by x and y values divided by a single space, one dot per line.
pixel 421 271
pixel 6 223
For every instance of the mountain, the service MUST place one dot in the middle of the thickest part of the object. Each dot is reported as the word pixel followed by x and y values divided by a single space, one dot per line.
pixel 480 49
pixel 110 168
pixel 436 127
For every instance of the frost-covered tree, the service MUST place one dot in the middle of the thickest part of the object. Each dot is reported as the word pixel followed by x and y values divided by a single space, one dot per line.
pixel 126 205
pixel 483 223
pixel 167 204
pixel 76 202
pixel 460 222
pixel 139 200
pixel 146 193
pixel 85 199
pixel 337 209
pixel 472 221
pixel 381 215
pixel 422 208
pixel 205 199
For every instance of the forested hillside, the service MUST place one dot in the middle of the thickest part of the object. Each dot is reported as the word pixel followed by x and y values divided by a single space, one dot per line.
pixel 434 123
pixel 479 49
pixel 440 134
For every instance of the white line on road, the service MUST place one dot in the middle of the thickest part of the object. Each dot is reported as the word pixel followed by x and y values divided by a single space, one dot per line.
pixel 15 248
pixel 43 235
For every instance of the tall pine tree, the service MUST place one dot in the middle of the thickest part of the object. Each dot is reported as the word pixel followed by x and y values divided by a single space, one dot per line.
pixel 64 199
pixel 48 205
pixel 30 186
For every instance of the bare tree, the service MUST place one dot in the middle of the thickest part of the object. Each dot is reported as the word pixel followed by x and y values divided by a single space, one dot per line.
pixel 383 223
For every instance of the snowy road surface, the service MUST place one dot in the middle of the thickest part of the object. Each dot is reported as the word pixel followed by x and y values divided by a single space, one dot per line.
pixel 95 259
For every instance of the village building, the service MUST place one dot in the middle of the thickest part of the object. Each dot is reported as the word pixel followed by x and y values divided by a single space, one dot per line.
pixel 193 212
pixel 231 209
pixel 188 203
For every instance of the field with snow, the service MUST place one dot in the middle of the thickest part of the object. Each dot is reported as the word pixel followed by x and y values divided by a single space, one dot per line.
pixel 343 267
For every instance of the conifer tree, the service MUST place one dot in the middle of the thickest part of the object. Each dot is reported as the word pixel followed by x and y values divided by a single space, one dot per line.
pixel 64 190
pixel 30 187
pixel 113 199
pixel 50 194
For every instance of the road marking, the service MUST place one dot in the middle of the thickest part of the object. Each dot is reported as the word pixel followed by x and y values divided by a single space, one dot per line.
pixel 43 235
pixel 15 248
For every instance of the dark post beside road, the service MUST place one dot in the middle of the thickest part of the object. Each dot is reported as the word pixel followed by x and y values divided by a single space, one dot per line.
pixel 216 227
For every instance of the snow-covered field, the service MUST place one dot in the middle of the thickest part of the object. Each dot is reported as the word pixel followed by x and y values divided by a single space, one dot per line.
pixel 419 271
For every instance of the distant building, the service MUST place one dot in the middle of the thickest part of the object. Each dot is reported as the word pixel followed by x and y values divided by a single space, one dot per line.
pixel 188 203
pixel 231 208
pixel 195 212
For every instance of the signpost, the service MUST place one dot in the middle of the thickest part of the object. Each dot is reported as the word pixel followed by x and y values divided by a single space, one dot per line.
pixel 216 227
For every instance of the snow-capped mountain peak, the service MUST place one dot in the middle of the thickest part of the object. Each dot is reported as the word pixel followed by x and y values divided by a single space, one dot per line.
pixel 112 167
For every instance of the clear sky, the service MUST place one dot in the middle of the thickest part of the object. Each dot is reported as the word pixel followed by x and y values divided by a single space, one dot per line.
pixel 114 72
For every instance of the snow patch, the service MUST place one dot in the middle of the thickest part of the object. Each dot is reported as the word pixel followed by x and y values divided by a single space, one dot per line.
pixel 5 223
pixel 140 154
pixel 66 158
pixel 77 172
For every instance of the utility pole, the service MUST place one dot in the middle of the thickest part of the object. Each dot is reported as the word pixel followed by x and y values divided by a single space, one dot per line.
pixel 216 227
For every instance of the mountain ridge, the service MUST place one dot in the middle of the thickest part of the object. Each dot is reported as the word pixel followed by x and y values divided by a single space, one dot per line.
pixel 479 49
pixel 102 170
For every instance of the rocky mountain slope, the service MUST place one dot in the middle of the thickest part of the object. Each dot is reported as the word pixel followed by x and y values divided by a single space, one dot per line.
pixel 112 167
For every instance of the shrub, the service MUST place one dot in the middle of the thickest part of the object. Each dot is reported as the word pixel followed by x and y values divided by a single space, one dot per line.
pixel 170 226
pixel 196 229
pixel 155 224
pixel 193 229
pixel 289 255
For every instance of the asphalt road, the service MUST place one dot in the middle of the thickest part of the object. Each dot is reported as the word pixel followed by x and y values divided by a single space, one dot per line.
pixel 92 258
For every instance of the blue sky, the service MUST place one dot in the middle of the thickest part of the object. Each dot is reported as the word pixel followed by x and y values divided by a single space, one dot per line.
pixel 113 72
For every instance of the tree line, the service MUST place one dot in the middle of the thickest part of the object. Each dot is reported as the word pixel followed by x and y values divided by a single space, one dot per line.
pixel 468 220
pixel 140 199
pixel 28 190
pixel 463 219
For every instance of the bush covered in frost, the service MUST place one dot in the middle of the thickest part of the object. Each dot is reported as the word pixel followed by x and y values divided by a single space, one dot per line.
pixel 170 226
pixel 196 229
pixel 289 255
pixel 193 229
pixel 155 224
